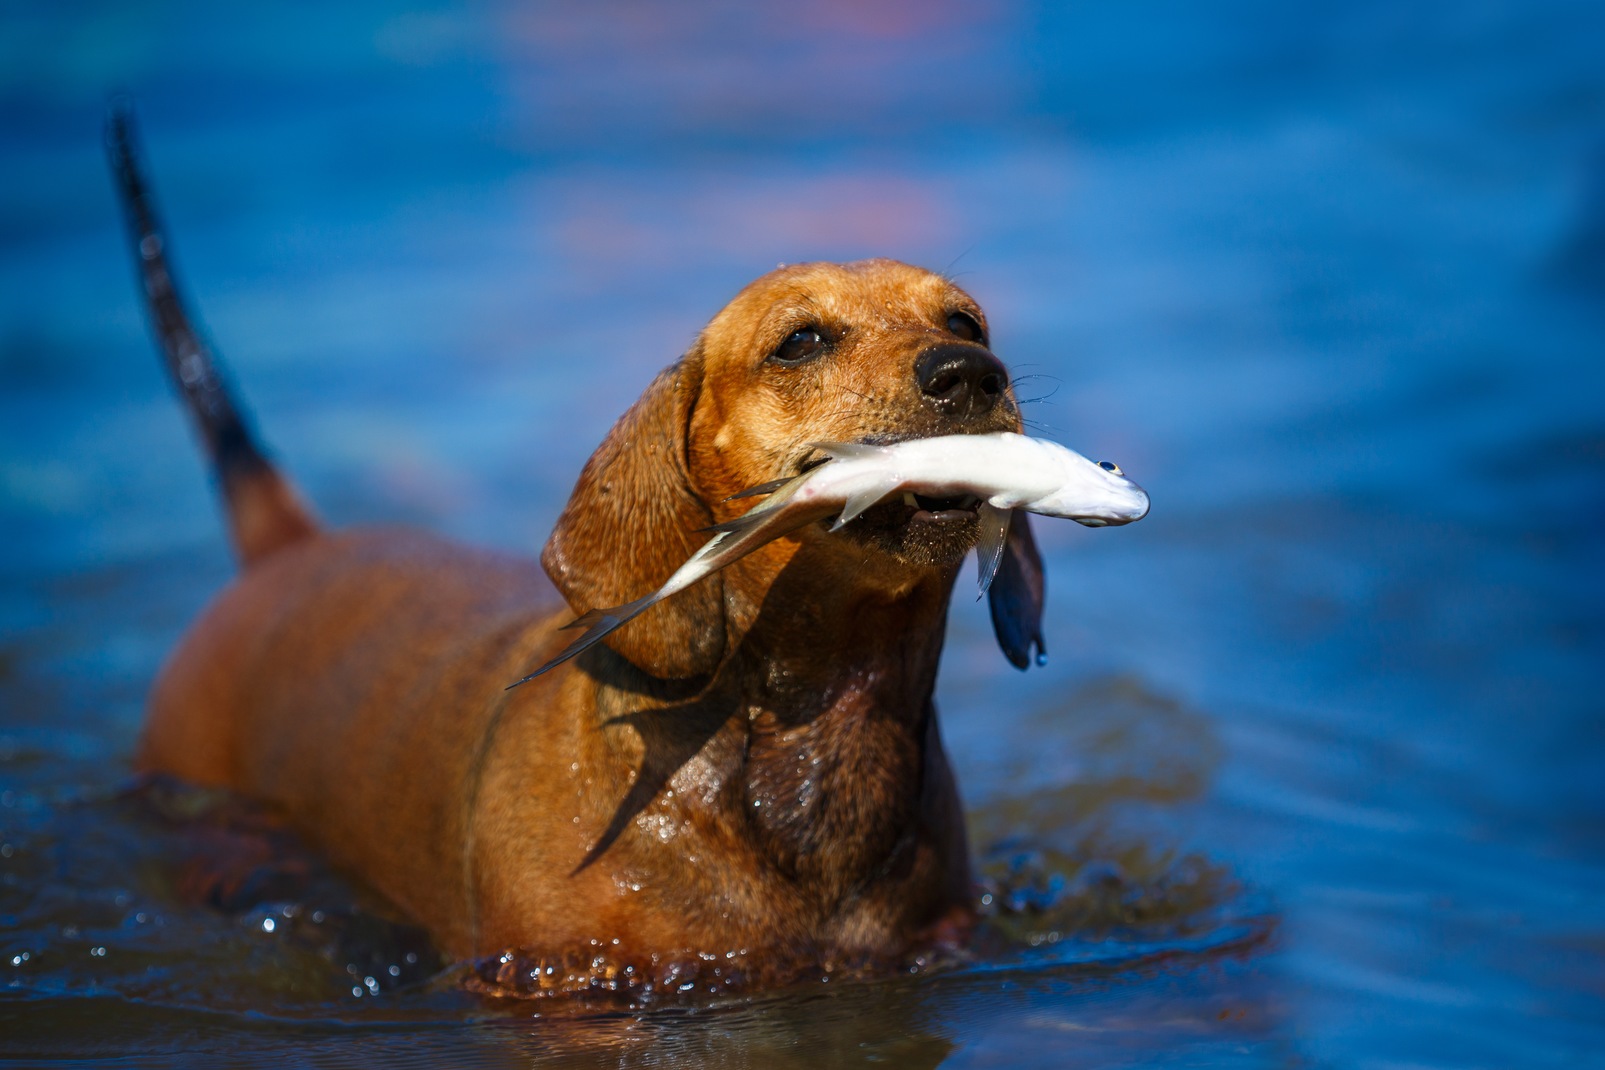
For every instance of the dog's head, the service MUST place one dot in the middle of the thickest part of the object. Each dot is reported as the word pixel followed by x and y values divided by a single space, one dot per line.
pixel 873 351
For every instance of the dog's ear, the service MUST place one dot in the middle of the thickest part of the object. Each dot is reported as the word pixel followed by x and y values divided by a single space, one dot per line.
pixel 1017 595
pixel 631 521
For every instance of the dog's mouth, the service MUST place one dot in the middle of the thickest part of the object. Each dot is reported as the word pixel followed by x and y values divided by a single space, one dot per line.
pixel 917 528
pixel 919 509
pixel 911 508
pixel 912 512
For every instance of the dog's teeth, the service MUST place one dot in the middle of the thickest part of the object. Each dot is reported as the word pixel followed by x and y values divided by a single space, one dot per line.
pixel 909 500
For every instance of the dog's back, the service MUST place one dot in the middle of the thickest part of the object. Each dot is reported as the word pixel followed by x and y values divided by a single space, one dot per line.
pixel 290 689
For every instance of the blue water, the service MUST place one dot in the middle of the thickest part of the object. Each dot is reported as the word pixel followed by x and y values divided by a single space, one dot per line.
pixel 1316 775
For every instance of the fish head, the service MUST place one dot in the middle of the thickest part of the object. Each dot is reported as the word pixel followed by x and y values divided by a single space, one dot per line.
pixel 869 352
pixel 1094 494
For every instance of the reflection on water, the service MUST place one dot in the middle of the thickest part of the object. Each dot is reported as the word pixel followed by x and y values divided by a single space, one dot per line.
pixel 1317 769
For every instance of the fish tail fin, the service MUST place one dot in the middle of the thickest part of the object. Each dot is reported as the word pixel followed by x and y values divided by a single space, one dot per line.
pixel 598 624
pixel 780 492
pixel 762 488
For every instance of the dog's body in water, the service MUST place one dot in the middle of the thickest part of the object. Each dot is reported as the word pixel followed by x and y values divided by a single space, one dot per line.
pixel 746 784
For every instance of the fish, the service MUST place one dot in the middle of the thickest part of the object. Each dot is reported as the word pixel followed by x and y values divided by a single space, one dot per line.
pixel 997 473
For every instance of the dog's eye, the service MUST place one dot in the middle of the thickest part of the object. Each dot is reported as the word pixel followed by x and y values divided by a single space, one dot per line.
pixel 963 324
pixel 805 344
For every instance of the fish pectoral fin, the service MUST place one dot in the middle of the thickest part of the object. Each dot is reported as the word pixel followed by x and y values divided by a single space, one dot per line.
pixel 598 624
pixel 857 503
pixel 847 451
pixel 1017 598
pixel 989 551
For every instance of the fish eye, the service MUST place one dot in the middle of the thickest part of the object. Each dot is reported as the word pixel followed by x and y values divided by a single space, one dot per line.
pixel 965 326
pixel 1110 466
pixel 800 346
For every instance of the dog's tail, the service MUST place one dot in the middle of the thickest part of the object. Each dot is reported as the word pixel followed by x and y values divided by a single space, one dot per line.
pixel 264 510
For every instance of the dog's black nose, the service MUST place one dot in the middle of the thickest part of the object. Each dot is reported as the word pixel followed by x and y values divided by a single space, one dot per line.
pixel 961 381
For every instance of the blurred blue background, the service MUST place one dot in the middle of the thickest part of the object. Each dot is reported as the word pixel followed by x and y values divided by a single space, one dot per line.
pixel 1328 279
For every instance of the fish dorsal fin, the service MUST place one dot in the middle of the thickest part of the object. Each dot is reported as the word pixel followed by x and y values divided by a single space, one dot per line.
pixel 856 503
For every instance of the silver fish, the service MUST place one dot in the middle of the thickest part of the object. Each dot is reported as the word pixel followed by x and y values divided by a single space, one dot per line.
pixel 1005 471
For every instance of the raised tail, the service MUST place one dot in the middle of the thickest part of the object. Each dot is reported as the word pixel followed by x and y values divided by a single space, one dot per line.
pixel 264 510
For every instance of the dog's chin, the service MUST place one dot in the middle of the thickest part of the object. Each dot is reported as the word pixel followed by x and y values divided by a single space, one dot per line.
pixel 924 532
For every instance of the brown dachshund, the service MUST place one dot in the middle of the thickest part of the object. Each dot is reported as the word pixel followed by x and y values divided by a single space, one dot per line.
pixel 746 784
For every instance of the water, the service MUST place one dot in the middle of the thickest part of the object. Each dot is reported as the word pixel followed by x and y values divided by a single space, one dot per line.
pixel 1316 774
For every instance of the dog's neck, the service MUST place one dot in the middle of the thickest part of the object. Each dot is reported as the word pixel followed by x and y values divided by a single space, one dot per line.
pixel 838 679
pixel 837 733
pixel 815 741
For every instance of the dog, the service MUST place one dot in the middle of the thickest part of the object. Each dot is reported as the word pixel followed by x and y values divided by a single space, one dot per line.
pixel 745 785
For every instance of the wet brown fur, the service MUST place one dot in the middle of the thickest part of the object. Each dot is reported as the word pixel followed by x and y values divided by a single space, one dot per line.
pixel 754 765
